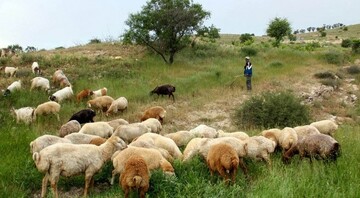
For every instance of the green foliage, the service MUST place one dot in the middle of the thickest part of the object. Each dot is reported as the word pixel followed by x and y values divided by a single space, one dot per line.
pixel 312 46
pixel 292 37
pixel 326 74
pixel 356 46
pixel 270 110
pixel 95 41
pixel 248 51
pixel 246 38
pixel 166 26
pixel 29 58
pixel 278 29
pixel 346 43
pixel 335 83
pixel 322 33
pixel 333 57
pixel 208 34
pixel 276 64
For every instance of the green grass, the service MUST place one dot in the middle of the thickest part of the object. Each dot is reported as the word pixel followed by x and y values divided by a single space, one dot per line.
pixel 200 79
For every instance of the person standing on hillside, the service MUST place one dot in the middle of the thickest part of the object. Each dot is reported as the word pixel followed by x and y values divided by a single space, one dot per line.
pixel 248 72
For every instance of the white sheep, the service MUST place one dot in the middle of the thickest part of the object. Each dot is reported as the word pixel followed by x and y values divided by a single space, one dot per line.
pixel 287 138
pixel 60 78
pixel 72 126
pixel 152 157
pixel 272 134
pixel 204 131
pixel 62 94
pixel 117 122
pixel 306 130
pixel 326 127
pixel 44 141
pixel 101 129
pixel 23 114
pixel 16 85
pixel 260 148
pixel 119 104
pixel 153 124
pixel 82 138
pixel 238 134
pixel 11 71
pixel 181 138
pixel 35 68
pixel 161 142
pixel 99 92
pixel 40 82
pixel 131 131
pixel 202 145
pixel 45 108
pixel 66 159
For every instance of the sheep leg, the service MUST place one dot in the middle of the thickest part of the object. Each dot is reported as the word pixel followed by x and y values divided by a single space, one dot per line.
pixel 126 194
pixel 142 193
pixel 44 185
pixel 88 179
pixel 243 167
pixel 53 182
pixel 113 177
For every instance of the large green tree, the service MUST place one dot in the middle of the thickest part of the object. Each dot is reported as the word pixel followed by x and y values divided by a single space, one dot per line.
pixel 166 26
pixel 278 28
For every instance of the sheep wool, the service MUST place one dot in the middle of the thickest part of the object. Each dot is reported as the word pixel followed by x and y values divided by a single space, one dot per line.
pixel 326 127
pixel 101 129
pixel 23 114
pixel 46 108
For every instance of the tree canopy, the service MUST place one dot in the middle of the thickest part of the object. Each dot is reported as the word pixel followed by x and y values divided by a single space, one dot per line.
pixel 166 26
pixel 278 28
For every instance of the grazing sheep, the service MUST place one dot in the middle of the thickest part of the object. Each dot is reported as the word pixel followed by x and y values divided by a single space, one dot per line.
pixel 154 112
pixel 35 68
pixel 44 141
pixel 161 142
pixel 164 90
pixel 119 104
pixel 326 127
pixel 238 134
pixel 204 131
pixel 117 122
pixel 152 157
pixel 260 148
pixel 306 130
pixel 131 131
pixel 287 138
pixel 82 138
pixel 99 92
pixel 223 158
pixel 72 126
pixel 84 116
pixel 46 108
pixel 181 138
pixel 16 85
pixel 62 94
pixel 153 124
pixel 40 82
pixel 60 79
pixel 102 103
pixel 65 159
pixel 272 134
pixel 11 71
pixel 101 129
pixel 319 146
pixel 135 176
pixel 85 93
pixel 23 114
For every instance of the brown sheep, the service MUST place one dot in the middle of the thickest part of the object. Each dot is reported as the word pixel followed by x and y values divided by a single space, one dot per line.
pixel 319 146
pixel 136 175
pixel 83 94
pixel 154 112
pixel 223 158
pixel 101 103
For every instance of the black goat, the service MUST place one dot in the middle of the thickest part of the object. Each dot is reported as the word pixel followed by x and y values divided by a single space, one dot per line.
pixel 84 116
pixel 164 90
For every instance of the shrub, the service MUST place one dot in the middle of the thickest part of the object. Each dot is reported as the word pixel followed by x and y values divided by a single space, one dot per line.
pixel 324 75
pixel 334 57
pixel 94 41
pixel 353 69
pixel 331 82
pixel 271 110
pixel 323 34
pixel 312 46
pixel 346 43
pixel 248 51
pixel 356 46
pixel 246 38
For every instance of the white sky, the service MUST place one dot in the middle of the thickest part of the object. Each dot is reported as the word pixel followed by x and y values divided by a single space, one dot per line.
pixel 54 23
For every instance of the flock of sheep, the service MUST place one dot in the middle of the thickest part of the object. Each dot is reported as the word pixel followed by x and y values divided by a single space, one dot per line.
pixel 83 146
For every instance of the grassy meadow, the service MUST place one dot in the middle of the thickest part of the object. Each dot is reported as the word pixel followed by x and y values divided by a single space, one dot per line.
pixel 207 77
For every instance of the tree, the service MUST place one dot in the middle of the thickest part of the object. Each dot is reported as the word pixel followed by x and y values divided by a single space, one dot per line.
pixel 30 49
pixel 278 28
pixel 165 26
pixel 246 38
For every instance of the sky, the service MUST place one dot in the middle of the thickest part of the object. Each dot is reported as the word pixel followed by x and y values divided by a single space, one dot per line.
pixel 47 24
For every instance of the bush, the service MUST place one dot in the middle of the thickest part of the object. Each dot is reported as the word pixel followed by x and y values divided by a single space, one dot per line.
pixel 331 82
pixel 94 41
pixel 312 46
pixel 323 34
pixel 353 69
pixel 346 43
pixel 334 57
pixel 356 46
pixel 246 38
pixel 271 110
pixel 324 75
pixel 248 51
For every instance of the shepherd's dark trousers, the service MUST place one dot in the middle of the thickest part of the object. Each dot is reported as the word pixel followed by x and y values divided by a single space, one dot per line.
pixel 248 83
